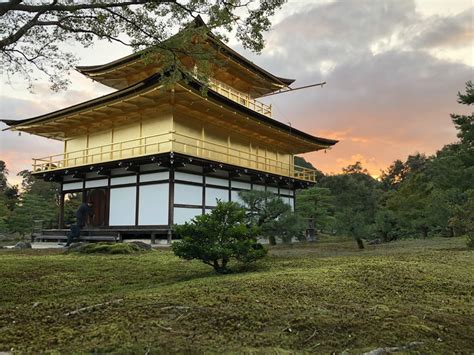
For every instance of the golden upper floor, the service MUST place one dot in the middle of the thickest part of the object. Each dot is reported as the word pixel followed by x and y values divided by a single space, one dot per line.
pixel 226 67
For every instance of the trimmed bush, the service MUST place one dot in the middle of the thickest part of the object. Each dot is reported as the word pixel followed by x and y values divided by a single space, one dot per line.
pixel 218 237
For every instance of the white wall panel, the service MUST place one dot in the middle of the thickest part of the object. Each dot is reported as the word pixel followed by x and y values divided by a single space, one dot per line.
pixel 187 194
pixel 178 175
pixel 234 195
pixel 258 187
pixel 122 206
pixel 96 183
pixel 72 186
pixel 272 189
pixel 216 181
pixel 286 192
pixel 153 204
pixel 132 179
pixel 162 175
pixel 290 201
pixel 182 215
pixel 212 194
pixel 241 185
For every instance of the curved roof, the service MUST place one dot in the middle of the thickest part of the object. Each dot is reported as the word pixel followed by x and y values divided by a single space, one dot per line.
pixel 152 83
pixel 109 73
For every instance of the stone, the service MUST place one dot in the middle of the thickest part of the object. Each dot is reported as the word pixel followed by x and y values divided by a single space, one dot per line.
pixel 141 245
pixel 22 245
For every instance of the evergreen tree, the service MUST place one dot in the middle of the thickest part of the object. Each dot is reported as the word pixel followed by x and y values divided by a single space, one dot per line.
pixel 316 203
pixel 272 215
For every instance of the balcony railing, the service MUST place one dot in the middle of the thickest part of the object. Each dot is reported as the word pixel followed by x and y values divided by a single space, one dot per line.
pixel 172 142
pixel 240 97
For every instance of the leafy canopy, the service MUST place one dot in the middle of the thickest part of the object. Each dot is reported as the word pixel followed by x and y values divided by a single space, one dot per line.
pixel 274 217
pixel 39 37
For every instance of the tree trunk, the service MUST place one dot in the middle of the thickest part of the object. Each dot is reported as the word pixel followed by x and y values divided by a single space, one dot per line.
pixel 272 240
pixel 360 243
pixel 424 232
pixel 221 268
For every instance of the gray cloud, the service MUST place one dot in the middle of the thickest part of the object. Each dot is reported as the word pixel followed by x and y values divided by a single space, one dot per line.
pixel 341 31
pixel 454 31
pixel 382 106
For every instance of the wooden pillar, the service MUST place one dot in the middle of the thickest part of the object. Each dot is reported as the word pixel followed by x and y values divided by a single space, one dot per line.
pixel 84 197
pixel 230 187
pixel 137 199
pixel 61 207
pixel 294 197
pixel 203 192
pixel 107 211
pixel 171 204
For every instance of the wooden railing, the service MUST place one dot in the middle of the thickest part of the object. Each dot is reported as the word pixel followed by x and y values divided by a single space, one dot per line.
pixel 240 97
pixel 172 142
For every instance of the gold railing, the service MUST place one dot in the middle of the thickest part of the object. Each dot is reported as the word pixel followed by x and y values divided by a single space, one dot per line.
pixel 172 142
pixel 240 97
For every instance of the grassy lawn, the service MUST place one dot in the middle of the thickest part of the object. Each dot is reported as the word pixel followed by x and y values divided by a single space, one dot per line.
pixel 326 297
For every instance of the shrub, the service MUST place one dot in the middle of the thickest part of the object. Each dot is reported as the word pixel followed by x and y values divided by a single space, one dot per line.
pixel 470 241
pixel 273 216
pixel 107 248
pixel 218 237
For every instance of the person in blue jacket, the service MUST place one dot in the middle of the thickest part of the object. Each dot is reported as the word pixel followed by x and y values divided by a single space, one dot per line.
pixel 82 214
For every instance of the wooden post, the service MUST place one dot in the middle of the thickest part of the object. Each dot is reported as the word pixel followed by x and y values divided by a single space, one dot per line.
pixel 137 198
pixel 61 207
pixel 203 202
pixel 171 203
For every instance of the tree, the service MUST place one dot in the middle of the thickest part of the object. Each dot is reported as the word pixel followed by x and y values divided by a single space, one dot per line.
pixel 46 189
pixel 30 210
pixel 218 237
pixel 356 168
pixel 287 226
pixel 465 123
pixel 274 217
pixel 385 224
pixel 33 34
pixel 462 220
pixel 38 202
pixel 3 176
pixel 410 204
pixel 316 203
pixel 394 175
pixel 355 201
pixel 4 215
pixel 8 193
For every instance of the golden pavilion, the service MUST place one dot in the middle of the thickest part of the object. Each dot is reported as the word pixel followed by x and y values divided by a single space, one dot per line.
pixel 151 155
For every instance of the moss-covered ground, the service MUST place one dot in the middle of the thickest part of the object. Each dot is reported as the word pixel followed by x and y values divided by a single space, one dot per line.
pixel 321 298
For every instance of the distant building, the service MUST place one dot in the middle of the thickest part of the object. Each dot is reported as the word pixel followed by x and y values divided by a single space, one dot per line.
pixel 150 156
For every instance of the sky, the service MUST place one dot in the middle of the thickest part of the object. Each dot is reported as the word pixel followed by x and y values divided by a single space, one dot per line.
pixel 393 70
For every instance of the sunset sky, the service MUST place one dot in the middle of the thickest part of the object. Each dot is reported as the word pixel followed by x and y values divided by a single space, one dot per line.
pixel 393 69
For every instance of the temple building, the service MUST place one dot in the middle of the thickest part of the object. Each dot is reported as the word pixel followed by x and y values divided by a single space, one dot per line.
pixel 151 155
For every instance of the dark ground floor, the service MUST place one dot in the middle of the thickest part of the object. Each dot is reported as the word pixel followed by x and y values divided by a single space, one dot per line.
pixel 145 197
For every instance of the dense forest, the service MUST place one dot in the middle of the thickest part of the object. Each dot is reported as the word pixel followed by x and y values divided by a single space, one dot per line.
pixel 422 196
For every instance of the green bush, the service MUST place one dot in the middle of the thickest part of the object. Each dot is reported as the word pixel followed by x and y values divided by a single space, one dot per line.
pixel 106 248
pixel 273 216
pixel 218 237
pixel 470 241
